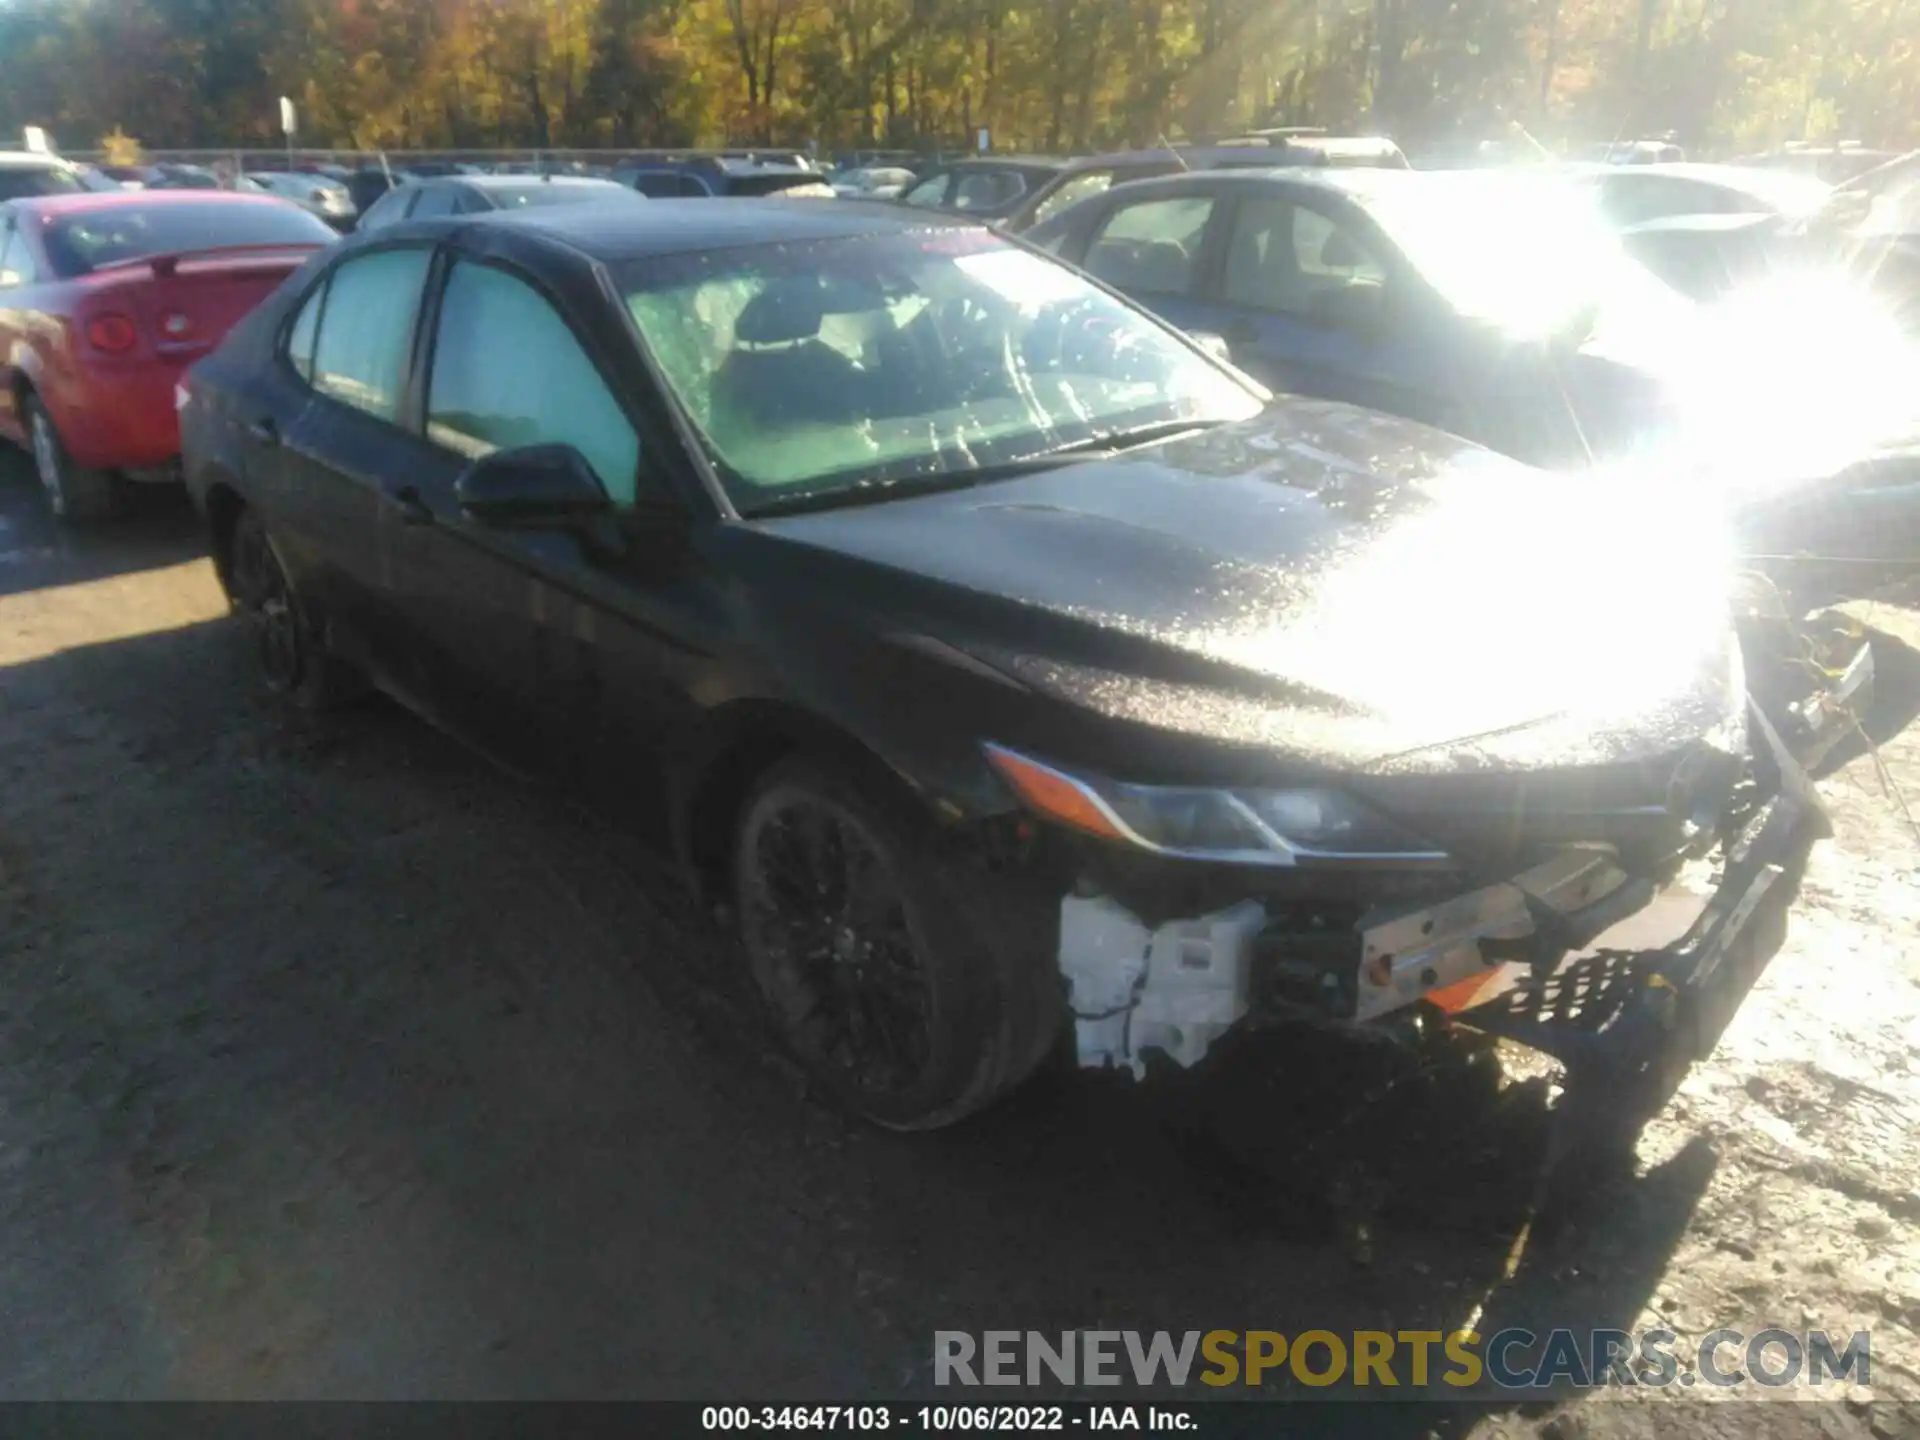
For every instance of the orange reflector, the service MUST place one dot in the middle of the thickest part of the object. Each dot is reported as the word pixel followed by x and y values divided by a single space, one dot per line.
pixel 1462 993
pixel 1053 794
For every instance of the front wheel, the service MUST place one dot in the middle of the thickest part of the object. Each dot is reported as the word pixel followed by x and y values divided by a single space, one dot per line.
pixel 879 977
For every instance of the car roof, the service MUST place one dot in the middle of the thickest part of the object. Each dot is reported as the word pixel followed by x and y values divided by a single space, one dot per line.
pixel 613 233
pixel 517 182
pixel 123 199
pixel 1010 162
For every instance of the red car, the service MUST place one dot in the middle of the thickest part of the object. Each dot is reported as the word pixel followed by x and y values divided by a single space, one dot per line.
pixel 105 300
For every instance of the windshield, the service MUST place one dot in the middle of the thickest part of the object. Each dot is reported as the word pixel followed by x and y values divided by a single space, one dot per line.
pixel 1530 256
pixel 83 242
pixel 840 364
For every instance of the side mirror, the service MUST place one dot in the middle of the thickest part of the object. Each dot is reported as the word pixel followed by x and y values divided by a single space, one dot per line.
pixel 1215 345
pixel 537 485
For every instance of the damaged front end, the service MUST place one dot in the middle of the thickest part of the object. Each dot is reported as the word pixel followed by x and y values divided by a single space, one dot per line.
pixel 1619 942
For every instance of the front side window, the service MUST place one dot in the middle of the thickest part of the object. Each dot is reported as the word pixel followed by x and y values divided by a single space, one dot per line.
pixel 839 366
pixel 365 328
pixel 1293 260
pixel 1152 246
pixel 657 184
pixel 485 395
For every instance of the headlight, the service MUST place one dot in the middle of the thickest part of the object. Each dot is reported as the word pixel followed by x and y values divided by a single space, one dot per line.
pixel 1243 827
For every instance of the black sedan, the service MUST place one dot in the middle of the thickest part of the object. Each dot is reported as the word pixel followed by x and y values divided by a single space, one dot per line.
pixel 1008 663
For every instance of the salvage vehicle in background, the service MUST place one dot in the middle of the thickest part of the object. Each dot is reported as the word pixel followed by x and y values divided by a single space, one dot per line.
pixel 479 194
pixel 1079 180
pixel 326 198
pixel 985 189
pixel 105 300
pixel 1636 194
pixel 699 177
pixel 1009 664
pixel 1496 306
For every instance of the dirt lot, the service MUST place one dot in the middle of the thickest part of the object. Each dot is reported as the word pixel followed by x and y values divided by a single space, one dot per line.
pixel 332 1063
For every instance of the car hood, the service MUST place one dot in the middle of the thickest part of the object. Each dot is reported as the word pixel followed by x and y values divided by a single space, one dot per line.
pixel 1353 589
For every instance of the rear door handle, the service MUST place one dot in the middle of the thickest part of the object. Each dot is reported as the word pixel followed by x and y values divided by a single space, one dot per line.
pixel 265 431
pixel 405 500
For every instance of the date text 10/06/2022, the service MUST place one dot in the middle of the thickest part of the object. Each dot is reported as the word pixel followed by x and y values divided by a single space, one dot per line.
pixel 940 1419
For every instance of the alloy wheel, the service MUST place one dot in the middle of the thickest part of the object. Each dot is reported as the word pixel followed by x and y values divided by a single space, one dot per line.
pixel 260 585
pixel 46 460
pixel 828 928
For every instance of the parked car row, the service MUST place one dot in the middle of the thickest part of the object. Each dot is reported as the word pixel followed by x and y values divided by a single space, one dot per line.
pixel 1014 669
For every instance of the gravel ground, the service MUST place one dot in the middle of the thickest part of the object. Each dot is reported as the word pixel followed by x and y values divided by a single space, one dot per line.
pixel 334 1064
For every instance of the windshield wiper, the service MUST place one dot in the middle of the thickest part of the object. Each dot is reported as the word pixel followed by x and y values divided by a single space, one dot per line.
pixel 872 492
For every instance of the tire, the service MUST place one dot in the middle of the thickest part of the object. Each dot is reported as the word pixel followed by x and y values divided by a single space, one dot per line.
pixel 75 496
pixel 881 973
pixel 293 659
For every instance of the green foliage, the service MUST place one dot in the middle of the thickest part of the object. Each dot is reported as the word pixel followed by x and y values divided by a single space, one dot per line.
pixel 1043 74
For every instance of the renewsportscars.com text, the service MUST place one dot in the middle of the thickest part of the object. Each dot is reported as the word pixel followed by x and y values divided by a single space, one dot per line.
pixel 1511 1359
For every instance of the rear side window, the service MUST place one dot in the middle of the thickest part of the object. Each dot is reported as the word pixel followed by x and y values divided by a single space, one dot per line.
pixel 657 184
pixel 365 327
pixel 306 328
pixel 437 200
pixel 929 193
pixel 484 396
pixel 390 209
pixel 1072 192
pixel 1152 246
pixel 80 243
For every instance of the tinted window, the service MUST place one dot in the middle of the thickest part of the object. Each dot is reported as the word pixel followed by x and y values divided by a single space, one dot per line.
pixel 83 242
pixel 436 200
pixel 361 353
pixel 1151 246
pixel 987 190
pixel 18 183
pixel 16 265
pixel 929 193
pixel 1287 258
pixel 485 397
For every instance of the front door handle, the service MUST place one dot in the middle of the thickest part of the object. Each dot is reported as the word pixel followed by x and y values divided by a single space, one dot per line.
pixel 405 500
pixel 265 431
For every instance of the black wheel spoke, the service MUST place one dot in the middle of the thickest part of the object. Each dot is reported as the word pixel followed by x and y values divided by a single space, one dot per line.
pixel 828 918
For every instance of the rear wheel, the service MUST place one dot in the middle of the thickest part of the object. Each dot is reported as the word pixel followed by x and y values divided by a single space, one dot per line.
pixel 75 495
pixel 879 978
pixel 292 659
